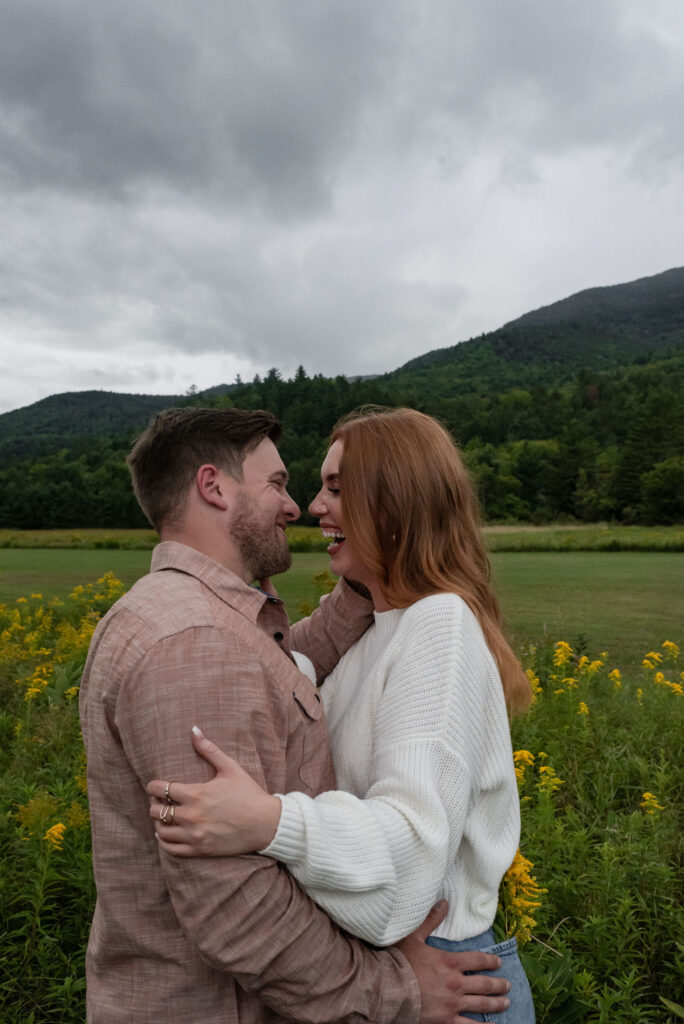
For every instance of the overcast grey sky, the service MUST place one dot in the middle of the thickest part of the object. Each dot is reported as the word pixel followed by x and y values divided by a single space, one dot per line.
pixel 192 191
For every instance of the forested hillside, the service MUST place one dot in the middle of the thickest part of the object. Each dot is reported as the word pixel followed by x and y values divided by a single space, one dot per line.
pixel 572 411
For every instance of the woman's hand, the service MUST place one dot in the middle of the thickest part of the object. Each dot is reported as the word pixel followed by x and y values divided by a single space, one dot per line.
pixel 230 815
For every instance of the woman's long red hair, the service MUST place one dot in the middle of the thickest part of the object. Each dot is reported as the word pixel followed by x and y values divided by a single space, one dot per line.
pixel 411 513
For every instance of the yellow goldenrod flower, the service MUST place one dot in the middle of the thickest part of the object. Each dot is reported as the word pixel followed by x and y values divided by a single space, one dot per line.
pixel 21 600
pixel 559 691
pixel 55 835
pixel 676 688
pixel 522 759
pixel 659 677
pixel 548 780
pixel 640 695
pixel 77 815
pixel 653 656
pixel 671 649
pixel 519 897
pixel 562 653
pixel 593 667
pixel 570 682
pixel 650 804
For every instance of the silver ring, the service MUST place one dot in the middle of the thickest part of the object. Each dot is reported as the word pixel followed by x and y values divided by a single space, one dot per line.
pixel 167 793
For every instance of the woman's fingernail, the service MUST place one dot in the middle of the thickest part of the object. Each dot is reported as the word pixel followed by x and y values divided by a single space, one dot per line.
pixel 500 961
pixel 198 732
pixel 507 1003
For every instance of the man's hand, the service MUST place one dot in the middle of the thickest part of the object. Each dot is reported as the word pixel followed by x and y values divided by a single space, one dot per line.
pixel 446 990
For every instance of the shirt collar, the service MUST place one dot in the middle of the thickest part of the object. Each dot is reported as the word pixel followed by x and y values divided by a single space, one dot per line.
pixel 228 587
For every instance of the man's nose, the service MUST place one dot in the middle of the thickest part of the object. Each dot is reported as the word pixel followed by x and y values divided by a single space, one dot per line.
pixel 291 508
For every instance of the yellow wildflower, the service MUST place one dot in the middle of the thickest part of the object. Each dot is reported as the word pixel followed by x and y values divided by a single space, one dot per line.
pixel 548 780
pixel 676 688
pixel 55 835
pixel 562 653
pixel 77 815
pixel 559 691
pixel 21 600
pixel 582 663
pixel 653 656
pixel 522 759
pixel 616 678
pixel 659 677
pixel 650 803
pixel 640 695
pixel 519 897
pixel 534 681
pixel 583 708
pixel 671 650
pixel 593 667
pixel 570 682
pixel 35 815
pixel 38 597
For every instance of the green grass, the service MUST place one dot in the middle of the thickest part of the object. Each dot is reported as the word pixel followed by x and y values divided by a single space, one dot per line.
pixel 623 602
pixel 521 537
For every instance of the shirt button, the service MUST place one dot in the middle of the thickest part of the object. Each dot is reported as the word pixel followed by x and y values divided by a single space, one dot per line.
pixel 278 636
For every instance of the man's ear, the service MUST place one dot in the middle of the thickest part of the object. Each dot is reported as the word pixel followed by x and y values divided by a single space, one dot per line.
pixel 211 486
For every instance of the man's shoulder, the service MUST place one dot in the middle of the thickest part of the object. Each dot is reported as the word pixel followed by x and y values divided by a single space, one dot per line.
pixel 162 604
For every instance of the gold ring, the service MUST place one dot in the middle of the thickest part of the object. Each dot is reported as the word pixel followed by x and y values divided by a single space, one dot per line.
pixel 163 812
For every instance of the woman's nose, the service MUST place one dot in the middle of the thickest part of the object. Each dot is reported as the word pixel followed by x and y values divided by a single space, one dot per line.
pixel 318 507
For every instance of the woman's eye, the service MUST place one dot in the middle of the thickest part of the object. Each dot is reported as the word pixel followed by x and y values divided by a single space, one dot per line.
pixel 334 490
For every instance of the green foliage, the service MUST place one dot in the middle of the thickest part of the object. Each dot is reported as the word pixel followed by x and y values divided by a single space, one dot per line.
pixel 574 411
pixel 601 790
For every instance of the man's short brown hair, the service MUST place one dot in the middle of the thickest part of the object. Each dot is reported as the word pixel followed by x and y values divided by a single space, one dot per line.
pixel 166 457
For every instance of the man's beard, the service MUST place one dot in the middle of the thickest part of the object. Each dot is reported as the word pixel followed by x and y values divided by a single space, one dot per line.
pixel 263 548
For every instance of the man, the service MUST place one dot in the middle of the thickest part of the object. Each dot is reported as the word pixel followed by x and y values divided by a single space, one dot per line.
pixel 233 940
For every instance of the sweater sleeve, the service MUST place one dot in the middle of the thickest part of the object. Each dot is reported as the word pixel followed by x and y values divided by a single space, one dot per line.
pixel 376 864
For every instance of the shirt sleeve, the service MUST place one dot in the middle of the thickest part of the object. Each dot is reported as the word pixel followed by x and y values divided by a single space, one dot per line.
pixel 376 864
pixel 246 915
pixel 338 622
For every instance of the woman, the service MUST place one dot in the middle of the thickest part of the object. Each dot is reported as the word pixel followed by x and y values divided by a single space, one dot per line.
pixel 428 806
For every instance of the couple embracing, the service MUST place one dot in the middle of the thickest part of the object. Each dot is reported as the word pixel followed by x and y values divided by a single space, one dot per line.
pixel 343 863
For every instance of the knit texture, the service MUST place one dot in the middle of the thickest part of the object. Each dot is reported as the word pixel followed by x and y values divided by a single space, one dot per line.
pixel 428 806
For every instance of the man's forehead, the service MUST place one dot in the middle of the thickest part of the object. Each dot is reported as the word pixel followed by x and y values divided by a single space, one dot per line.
pixel 264 460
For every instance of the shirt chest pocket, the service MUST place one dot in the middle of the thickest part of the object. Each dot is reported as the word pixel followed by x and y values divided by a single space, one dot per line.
pixel 309 735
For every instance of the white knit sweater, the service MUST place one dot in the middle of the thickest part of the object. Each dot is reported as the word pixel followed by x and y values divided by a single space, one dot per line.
pixel 428 806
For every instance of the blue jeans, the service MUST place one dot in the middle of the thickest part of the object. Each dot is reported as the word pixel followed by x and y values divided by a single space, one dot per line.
pixel 521 1010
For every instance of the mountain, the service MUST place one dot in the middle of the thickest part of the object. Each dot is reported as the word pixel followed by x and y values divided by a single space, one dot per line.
pixel 572 411
pixel 594 330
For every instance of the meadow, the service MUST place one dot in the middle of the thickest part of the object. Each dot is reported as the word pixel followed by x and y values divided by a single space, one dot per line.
pixel 595 895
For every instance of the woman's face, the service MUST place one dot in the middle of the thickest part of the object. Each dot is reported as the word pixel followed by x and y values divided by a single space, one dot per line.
pixel 327 506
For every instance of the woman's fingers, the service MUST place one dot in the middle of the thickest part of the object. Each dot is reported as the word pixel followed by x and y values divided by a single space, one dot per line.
pixel 176 849
pixel 211 753
pixel 177 791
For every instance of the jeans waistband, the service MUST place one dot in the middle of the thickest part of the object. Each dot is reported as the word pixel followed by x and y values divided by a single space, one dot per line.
pixel 463 945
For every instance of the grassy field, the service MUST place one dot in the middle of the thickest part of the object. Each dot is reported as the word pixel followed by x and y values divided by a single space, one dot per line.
pixel 578 537
pixel 619 601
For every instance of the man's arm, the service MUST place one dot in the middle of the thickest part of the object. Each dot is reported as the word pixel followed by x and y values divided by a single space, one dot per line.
pixel 247 915
pixel 338 622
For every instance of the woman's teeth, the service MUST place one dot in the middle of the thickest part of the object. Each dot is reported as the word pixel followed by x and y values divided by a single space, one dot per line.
pixel 336 537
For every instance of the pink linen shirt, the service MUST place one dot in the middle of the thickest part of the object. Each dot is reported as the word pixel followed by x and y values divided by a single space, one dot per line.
pixel 220 940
